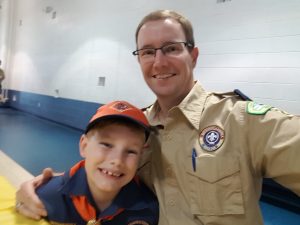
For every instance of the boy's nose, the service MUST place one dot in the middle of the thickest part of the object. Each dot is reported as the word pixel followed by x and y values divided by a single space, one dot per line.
pixel 116 159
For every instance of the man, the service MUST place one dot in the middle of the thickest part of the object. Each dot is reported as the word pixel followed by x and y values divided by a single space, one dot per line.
pixel 212 150
pixel 2 77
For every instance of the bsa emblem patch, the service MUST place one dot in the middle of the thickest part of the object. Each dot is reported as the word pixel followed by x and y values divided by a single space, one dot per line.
pixel 120 106
pixel 211 138
pixel 138 222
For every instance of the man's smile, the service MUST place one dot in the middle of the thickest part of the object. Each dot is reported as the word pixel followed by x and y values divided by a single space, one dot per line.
pixel 163 76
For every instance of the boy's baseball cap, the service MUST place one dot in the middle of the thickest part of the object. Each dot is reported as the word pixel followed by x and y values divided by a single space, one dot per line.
pixel 121 110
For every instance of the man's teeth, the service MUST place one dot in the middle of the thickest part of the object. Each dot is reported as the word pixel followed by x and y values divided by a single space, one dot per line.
pixel 111 174
pixel 163 76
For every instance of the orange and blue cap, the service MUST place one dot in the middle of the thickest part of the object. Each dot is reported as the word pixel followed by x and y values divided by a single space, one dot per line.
pixel 120 110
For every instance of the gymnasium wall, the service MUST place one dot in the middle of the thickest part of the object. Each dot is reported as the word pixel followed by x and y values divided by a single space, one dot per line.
pixel 77 51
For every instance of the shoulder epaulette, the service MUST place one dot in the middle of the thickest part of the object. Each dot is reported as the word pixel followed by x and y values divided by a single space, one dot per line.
pixel 242 95
pixel 147 107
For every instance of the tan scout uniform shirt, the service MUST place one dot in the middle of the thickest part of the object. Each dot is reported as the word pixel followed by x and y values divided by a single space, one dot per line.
pixel 2 75
pixel 238 149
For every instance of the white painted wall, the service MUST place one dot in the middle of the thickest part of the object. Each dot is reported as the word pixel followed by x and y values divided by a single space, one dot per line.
pixel 253 45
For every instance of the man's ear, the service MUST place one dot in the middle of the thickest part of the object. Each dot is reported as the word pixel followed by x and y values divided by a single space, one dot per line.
pixel 194 54
pixel 82 145
pixel 145 148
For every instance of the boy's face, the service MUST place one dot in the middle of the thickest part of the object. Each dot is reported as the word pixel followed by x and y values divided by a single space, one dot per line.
pixel 111 155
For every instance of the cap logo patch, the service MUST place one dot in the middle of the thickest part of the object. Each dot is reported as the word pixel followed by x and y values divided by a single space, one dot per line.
pixel 211 138
pixel 119 106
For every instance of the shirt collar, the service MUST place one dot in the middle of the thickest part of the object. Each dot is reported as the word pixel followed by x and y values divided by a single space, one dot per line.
pixel 128 198
pixel 75 187
pixel 191 106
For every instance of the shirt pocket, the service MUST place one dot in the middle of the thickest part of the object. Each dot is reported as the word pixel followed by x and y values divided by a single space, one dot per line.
pixel 215 185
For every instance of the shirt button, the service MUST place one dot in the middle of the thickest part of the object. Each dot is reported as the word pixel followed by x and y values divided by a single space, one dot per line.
pixel 169 172
pixel 171 202
pixel 173 182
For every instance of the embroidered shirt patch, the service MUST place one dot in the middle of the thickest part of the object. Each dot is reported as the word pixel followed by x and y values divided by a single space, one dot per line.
pixel 257 109
pixel 211 138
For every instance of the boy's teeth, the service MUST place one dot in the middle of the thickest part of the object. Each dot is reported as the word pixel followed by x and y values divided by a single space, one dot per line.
pixel 111 174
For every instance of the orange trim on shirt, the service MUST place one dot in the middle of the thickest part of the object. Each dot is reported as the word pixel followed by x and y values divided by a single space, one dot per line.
pixel 112 216
pixel 86 211
pixel 83 207
pixel 76 167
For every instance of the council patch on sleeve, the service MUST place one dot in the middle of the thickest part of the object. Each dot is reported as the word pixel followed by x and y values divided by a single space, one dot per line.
pixel 257 109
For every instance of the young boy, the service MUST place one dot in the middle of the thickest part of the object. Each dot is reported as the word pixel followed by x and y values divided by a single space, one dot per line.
pixel 103 188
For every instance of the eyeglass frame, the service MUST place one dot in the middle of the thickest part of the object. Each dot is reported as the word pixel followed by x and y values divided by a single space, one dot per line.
pixel 186 44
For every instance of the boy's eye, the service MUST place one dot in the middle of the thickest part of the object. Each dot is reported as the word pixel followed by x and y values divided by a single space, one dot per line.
pixel 104 144
pixel 134 152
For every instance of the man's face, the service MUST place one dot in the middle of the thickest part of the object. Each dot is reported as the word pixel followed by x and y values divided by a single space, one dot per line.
pixel 111 155
pixel 167 76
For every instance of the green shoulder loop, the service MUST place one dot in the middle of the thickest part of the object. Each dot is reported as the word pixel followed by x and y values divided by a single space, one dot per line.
pixel 257 109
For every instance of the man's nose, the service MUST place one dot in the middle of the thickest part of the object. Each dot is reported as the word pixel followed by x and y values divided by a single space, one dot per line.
pixel 159 58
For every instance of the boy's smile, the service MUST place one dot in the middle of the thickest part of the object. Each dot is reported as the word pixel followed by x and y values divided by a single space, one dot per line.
pixel 113 174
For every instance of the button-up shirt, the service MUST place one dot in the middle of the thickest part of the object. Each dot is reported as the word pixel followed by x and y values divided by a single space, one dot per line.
pixel 208 159
pixel 68 200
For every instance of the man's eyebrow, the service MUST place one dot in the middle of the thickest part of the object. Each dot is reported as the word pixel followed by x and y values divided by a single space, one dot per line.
pixel 163 44
pixel 147 46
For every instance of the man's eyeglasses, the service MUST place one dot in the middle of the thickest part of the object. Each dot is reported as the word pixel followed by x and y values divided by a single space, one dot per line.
pixel 170 49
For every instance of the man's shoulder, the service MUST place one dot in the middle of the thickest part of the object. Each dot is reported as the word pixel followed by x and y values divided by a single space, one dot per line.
pixel 235 94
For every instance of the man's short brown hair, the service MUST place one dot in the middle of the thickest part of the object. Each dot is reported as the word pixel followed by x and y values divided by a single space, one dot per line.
pixel 169 14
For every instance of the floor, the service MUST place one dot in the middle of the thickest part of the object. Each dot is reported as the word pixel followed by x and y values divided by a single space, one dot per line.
pixel 36 143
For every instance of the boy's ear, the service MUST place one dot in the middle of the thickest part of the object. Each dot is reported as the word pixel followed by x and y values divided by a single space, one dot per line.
pixel 82 145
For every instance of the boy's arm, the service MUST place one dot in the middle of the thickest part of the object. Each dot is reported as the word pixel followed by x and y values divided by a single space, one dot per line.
pixel 27 201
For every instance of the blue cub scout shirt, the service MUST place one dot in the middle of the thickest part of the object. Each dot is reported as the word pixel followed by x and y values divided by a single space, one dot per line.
pixel 68 200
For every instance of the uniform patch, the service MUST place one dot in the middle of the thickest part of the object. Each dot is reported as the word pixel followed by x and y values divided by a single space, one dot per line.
pixel 211 138
pixel 257 109
pixel 138 222
pixel 120 106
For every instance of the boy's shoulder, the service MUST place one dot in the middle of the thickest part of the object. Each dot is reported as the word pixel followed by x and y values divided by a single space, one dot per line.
pixel 140 203
pixel 56 195
pixel 138 188
pixel 141 194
